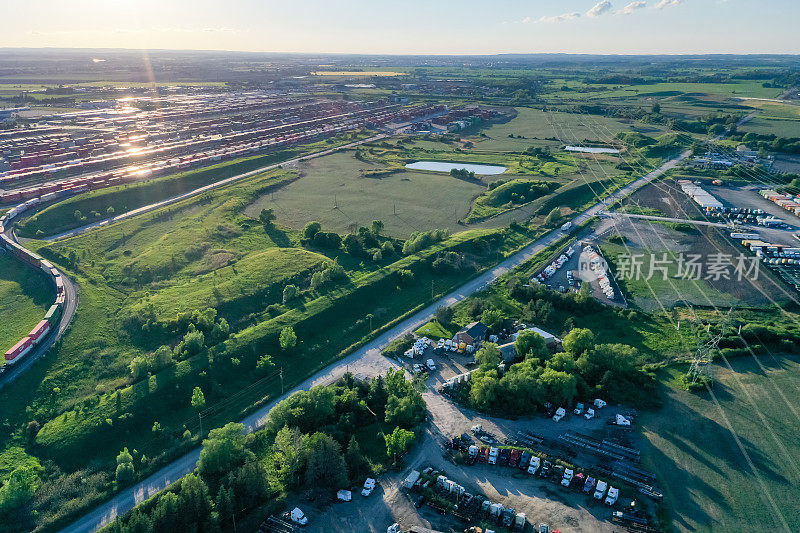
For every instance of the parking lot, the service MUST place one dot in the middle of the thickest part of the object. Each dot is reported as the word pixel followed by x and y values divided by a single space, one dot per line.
pixel 559 280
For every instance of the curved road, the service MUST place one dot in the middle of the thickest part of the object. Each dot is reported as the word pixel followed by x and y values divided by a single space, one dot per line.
pixel 366 361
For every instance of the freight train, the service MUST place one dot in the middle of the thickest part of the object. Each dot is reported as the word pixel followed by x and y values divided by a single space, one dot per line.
pixel 53 315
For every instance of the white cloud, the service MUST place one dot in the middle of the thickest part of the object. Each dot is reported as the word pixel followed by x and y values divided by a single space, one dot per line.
pixel 633 6
pixel 559 18
pixel 599 9
pixel 667 3
pixel 526 20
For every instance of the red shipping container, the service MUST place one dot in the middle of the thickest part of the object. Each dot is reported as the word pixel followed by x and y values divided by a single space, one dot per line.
pixel 19 349
pixel 40 330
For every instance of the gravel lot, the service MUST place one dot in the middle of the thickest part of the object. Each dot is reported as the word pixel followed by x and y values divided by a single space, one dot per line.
pixel 540 500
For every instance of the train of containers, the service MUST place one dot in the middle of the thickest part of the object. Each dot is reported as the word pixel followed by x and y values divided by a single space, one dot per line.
pixel 787 201
pixel 701 197
pixel 53 315
pixel 50 191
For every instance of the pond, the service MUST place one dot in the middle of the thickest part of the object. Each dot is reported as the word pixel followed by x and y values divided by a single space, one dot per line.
pixel 441 166
pixel 591 150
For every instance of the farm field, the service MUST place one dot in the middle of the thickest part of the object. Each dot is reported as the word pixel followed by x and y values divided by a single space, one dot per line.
pixel 406 201
pixel 709 483
pixel 535 126
pixel 764 125
pixel 24 298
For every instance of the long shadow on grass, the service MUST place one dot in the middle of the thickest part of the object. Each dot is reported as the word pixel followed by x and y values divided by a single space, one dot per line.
pixel 279 237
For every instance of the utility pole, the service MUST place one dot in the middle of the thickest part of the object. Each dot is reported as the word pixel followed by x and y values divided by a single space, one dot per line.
pixel 200 416
pixel 431 289
pixel 281 381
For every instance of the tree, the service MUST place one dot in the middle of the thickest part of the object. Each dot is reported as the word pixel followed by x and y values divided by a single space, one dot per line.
pixel 560 387
pixel 531 344
pixel 19 488
pixel 325 466
pixel 444 314
pixel 353 245
pixel 286 458
pixel 198 399
pixel 167 514
pixel 264 363
pixel 376 227
pixel 406 409
pixel 311 229
pixel 492 318
pixel 354 460
pixel 377 256
pixel 250 483
pixel 563 362
pixel 289 293
pixel 162 358
pixel 194 341
pixel 196 500
pixel 125 470
pixel 578 341
pixel 224 504
pixel 138 366
pixel 110 211
pixel 223 450
pixel 484 389
pixel 221 330
pixel 398 442
pixel 488 356
pixel 657 109
pixel 317 280
pixel 287 338
pixel 387 249
pixel 157 428
pixel 266 217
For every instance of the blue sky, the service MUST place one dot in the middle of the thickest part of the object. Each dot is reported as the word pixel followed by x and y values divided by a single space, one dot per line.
pixel 410 26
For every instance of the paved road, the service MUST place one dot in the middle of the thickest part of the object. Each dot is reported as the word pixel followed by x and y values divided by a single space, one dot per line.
pixel 364 362
pixel 668 219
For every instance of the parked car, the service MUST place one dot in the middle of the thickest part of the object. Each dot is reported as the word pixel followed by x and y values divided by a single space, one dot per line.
pixel 589 414
pixel 578 409
pixel 588 487
pixel 513 458
pixel 534 466
pixel 545 471
pixel 567 479
pixel 600 490
pixel 613 494
pixel 369 486
pixel 524 460
pixel 394 528
pixel 483 455
pixel 502 457
pixel 430 364
pixel 298 517
pixel 544 528
pixel 493 452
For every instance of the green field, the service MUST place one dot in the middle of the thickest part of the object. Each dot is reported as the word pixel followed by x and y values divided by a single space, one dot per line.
pixel 699 445
pixel 334 192
pixel 536 126
pixel 25 296
pixel 782 127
